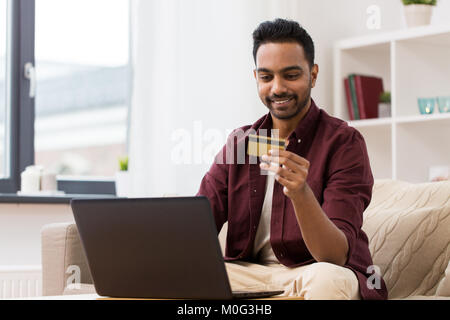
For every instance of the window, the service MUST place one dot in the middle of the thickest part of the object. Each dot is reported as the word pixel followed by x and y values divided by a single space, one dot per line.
pixel 82 85
pixel 70 115
pixel 3 151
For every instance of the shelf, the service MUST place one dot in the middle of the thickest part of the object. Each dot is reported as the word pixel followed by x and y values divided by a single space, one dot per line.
pixel 370 122
pixel 371 60
pixel 413 63
pixel 383 122
pixel 422 71
pixel 436 33
pixel 445 117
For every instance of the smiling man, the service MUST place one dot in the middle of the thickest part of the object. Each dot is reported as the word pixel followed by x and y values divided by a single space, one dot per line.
pixel 295 217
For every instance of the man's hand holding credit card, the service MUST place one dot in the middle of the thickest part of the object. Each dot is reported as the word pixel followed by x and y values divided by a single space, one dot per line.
pixel 290 169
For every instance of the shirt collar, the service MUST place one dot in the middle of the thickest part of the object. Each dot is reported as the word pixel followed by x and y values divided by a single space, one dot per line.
pixel 307 124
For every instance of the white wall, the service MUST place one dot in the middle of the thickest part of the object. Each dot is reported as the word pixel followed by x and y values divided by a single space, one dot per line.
pixel 20 230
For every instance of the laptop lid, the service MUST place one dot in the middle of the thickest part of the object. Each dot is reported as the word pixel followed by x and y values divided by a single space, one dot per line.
pixel 152 247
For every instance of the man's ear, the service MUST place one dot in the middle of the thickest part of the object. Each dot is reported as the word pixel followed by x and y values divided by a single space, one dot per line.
pixel 254 74
pixel 314 74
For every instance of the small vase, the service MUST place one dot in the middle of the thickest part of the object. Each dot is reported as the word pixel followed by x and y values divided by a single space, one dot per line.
pixel 418 14
pixel 123 184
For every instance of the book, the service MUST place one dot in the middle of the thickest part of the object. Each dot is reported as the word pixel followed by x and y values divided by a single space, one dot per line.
pixel 368 91
pixel 348 95
pixel 351 80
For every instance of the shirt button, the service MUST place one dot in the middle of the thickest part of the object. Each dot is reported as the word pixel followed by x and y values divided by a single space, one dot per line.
pixel 299 140
pixel 254 191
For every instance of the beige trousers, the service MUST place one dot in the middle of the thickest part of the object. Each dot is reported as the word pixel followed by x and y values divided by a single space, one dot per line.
pixel 317 281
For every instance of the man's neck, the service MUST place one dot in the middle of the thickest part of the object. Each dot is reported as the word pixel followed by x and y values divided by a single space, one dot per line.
pixel 286 126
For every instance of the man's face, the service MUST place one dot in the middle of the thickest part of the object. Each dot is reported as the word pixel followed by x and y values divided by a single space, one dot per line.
pixel 284 78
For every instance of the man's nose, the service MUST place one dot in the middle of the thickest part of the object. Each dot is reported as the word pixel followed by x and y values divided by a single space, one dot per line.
pixel 278 86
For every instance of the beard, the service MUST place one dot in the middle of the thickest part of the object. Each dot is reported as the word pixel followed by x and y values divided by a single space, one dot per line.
pixel 293 111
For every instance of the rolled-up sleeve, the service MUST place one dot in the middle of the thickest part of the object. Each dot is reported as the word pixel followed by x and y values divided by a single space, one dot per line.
pixel 349 187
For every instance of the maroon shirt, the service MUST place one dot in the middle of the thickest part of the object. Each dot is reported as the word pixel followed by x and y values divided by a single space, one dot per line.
pixel 339 175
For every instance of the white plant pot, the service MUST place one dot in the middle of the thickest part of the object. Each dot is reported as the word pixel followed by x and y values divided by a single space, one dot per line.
pixel 123 184
pixel 384 110
pixel 418 14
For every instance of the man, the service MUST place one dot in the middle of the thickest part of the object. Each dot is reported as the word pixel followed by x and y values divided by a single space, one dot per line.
pixel 299 226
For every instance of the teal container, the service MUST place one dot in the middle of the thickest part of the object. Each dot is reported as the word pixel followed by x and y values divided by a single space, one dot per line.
pixel 443 104
pixel 426 105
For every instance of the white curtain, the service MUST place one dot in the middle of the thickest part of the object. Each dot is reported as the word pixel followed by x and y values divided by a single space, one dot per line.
pixel 193 83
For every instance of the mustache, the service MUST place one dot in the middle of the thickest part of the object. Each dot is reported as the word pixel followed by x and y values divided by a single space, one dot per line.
pixel 282 96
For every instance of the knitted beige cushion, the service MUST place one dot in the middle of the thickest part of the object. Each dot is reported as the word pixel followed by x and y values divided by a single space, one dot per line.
pixel 444 286
pixel 408 226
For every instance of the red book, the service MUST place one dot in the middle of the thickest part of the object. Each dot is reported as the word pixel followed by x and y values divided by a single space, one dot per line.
pixel 368 91
pixel 349 99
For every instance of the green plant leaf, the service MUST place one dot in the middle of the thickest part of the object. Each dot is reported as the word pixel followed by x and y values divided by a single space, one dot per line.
pixel 123 163
pixel 428 2
pixel 385 97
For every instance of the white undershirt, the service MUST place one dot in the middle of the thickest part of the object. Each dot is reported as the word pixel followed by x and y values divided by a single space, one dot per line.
pixel 262 249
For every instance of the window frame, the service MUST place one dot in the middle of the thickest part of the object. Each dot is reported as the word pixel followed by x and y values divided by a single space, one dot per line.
pixel 21 108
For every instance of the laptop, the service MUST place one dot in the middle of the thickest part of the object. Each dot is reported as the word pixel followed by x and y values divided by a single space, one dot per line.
pixel 164 248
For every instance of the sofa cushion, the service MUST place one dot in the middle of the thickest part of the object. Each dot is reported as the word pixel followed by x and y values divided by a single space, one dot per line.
pixel 408 226
pixel 444 286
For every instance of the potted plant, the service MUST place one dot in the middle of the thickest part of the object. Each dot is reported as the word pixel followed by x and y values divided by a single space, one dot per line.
pixel 123 180
pixel 418 12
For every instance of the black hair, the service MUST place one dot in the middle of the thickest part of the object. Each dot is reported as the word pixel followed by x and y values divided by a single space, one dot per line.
pixel 281 30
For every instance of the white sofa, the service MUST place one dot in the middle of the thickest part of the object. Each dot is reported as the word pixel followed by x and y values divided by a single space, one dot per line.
pixel 408 226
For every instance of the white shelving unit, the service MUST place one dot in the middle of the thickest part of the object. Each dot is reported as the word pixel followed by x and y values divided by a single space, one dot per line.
pixel 413 63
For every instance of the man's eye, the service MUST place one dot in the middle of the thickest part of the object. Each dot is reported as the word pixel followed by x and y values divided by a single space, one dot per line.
pixel 293 75
pixel 265 77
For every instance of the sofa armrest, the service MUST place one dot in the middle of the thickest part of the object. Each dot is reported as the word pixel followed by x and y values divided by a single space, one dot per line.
pixel 63 259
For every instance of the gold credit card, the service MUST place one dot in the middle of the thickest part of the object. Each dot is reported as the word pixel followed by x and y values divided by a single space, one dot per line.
pixel 260 145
